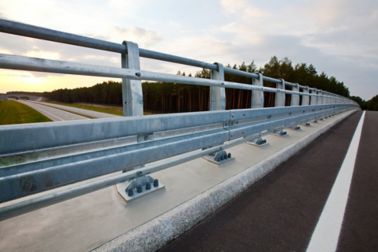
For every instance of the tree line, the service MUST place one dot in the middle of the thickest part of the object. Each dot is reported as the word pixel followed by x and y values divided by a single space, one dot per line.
pixel 163 97
pixel 371 104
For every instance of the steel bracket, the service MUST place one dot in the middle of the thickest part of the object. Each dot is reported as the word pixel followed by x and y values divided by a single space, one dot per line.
pixel 280 132
pixel 296 127
pixel 230 123
pixel 145 137
pixel 257 141
pixel 138 186
pixel 219 157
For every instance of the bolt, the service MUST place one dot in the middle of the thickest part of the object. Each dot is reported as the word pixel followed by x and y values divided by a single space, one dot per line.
pixel 156 183
pixel 148 186
pixel 139 189
pixel 130 192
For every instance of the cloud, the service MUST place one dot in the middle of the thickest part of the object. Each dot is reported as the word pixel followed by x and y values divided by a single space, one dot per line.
pixel 338 37
pixel 143 37
pixel 242 8
pixel 353 71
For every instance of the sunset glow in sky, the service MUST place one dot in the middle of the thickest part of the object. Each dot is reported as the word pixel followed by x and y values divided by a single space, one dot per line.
pixel 339 37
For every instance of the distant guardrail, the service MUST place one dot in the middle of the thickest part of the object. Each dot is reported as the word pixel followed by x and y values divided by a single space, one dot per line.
pixel 82 150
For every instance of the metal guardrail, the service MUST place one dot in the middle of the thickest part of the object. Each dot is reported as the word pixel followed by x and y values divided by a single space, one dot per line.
pixel 26 169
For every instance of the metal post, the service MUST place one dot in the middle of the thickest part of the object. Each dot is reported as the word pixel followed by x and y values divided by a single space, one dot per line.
pixel 316 97
pixel 280 96
pixel 305 100
pixel 218 102
pixel 309 97
pixel 257 101
pixel 258 95
pixel 280 102
pixel 334 99
pixel 132 98
pixel 294 101
pixel 322 100
pixel 327 100
pixel 313 100
pixel 295 97
pixel 132 95
pixel 217 94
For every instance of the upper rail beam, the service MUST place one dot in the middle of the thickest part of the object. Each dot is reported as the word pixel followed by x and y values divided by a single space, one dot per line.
pixel 37 32
pixel 56 66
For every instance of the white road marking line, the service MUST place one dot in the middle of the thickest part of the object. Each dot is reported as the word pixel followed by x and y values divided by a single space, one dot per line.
pixel 327 231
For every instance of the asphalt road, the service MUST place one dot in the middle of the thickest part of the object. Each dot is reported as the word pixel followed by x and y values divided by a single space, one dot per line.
pixel 281 211
pixel 360 227
pixel 78 111
pixel 58 112
pixel 53 113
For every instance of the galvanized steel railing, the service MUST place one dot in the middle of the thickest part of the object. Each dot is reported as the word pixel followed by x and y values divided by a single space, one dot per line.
pixel 145 138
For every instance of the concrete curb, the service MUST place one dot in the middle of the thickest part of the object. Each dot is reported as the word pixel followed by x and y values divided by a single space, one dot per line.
pixel 157 232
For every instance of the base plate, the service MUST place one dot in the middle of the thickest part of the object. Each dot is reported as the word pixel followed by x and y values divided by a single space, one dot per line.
pixel 255 144
pixel 210 159
pixel 121 188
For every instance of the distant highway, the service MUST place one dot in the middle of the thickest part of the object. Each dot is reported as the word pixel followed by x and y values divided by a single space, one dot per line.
pixel 58 112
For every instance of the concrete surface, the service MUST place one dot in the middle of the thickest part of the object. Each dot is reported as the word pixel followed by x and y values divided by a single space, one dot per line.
pixel 102 220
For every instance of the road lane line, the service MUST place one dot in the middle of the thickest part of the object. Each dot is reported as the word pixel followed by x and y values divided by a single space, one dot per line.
pixel 327 231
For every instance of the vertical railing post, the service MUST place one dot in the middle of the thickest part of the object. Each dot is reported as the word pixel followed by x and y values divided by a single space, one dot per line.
pixel 257 101
pixel 280 102
pixel 295 97
pixel 217 94
pixel 258 95
pixel 316 97
pixel 334 99
pixel 322 98
pixel 132 95
pixel 305 97
pixel 319 94
pixel 313 100
pixel 132 100
pixel 310 91
pixel 218 102
pixel 327 99
pixel 280 95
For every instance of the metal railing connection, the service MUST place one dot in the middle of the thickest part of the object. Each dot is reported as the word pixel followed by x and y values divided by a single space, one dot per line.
pixel 39 157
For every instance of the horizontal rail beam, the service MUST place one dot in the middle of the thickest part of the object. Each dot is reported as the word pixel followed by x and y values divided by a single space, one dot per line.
pixel 75 190
pixel 45 135
pixel 56 66
pixel 244 116
pixel 33 181
pixel 37 32
pixel 78 40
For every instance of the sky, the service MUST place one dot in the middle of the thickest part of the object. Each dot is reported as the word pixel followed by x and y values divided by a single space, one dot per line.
pixel 339 37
